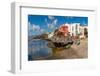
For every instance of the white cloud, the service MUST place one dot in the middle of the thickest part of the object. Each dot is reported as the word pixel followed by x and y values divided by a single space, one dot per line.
pixel 42 30
pixel 29 26
pixel 55 21
pixel 51 17
pixel 34 29
pixel 52 25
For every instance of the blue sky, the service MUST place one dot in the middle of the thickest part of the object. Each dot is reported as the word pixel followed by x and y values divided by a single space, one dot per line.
pixel 38 24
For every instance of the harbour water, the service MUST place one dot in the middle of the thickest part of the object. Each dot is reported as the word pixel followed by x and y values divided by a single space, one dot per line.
pixel 38 49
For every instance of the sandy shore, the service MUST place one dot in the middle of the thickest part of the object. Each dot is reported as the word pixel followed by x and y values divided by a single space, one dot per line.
pixel 76 51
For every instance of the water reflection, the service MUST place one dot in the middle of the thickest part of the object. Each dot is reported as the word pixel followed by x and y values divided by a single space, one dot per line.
pixel 38 49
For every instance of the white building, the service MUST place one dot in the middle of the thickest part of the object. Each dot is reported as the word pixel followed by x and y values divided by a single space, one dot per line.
pixel 76 29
